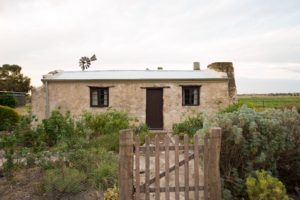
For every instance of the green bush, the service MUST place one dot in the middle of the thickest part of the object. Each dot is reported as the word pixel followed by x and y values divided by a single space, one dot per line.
pixel 73 156
pixel 58 126
pixel 68 180
pixel 265 187
pixel 99 165
pixel 251 140
pixel 109 142
pixel 189 126
pixel 105 175
pixel 9 165
pixel 141 131
pixel 107 122
pixel 8 118
pixel 28 136
pixel 236 106
pixel 8 99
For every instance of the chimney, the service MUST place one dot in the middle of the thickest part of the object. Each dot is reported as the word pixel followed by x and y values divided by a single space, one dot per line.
pixel 196 65
pixel 226 67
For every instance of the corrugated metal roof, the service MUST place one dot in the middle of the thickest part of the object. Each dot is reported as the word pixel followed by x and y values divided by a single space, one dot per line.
pixel 134 75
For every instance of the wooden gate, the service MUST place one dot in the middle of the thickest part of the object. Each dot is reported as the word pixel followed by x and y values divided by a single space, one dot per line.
pixel 131 186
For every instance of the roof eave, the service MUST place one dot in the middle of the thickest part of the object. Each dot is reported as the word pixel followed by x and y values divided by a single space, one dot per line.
pixel 175 79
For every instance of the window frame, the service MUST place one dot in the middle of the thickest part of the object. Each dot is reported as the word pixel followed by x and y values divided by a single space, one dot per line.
pixel 99 89
pixel 197 87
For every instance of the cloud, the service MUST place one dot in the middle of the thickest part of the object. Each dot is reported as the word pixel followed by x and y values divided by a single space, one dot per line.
pixel 261 86
pixel 292 67
pixel 262 39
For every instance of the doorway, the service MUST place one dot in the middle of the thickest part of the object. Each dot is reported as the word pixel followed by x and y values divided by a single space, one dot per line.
pixel 154 108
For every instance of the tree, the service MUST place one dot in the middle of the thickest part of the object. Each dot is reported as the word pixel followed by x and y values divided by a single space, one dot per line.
pixel 7 99
pixel 11 79
pixel 85 62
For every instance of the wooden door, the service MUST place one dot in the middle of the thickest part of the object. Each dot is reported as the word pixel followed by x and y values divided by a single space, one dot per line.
pixel 154 108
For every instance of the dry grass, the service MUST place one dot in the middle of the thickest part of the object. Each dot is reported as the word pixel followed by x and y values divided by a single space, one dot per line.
pixel 23 110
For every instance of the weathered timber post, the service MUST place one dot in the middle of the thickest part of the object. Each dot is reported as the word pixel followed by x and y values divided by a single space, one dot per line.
pixel 126 165
pixel 212 179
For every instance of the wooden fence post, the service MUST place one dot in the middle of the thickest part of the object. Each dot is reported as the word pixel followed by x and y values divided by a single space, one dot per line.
pixel 213 165
pixel 126 165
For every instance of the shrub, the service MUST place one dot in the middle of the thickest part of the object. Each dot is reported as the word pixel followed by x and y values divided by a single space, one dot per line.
pixel 8 99
pixel 111 194
pixel 268 140
pixel 77 157
pixel 265 187
pixel 292 106
pixel 58 126
pixel 8 165
pixel 67 180
pixel 99 165
pixel 141 131
pixel 236 106
pixel 8 118
pixel 8 143
pixel 109 142
pixel 28 136
pixel 105 175
pixel 190 126
pixel 106 122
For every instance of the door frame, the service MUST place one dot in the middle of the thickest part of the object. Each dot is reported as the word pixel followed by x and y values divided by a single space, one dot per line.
pixel 162 106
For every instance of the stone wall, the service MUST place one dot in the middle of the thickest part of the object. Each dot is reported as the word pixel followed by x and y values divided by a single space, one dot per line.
pixel 130 96
pixel 226 67
pixel 38 99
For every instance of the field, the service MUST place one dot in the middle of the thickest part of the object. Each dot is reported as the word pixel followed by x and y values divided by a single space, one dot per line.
pixel 262 102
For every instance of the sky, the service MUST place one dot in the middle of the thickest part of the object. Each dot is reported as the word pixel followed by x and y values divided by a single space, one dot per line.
pixel 261 38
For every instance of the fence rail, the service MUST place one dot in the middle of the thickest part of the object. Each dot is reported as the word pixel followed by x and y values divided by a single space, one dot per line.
pixel 131 151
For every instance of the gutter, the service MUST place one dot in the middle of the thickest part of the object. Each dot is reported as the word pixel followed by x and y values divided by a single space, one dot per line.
pixel 47 100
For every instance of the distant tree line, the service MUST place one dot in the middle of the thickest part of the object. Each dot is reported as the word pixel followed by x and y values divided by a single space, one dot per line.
pixel 273 94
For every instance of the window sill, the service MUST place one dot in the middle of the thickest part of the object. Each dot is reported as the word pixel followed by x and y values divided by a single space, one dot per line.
pixel 192 105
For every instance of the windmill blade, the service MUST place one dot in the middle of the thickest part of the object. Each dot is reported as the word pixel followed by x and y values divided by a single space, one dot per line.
pixel 93 58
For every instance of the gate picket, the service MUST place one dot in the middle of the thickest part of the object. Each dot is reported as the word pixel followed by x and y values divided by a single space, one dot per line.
pixel 137 169
pixel 186 166
pixel 157 169
pixel 147 168
pixel 186 151
pixel 176 168
pixel 196 166
pixel 167 142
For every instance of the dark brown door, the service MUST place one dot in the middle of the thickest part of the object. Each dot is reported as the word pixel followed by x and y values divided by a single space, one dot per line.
pixel 154 108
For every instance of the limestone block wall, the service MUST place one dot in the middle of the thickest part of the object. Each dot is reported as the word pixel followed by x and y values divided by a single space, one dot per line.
pixel 38 101
pixel 130 96
pixel 228 68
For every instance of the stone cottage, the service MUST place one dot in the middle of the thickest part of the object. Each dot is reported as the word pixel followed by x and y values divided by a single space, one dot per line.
pixel 158 98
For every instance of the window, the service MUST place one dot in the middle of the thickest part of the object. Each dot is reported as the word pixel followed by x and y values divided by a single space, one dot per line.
pixel 99 97
pixel 190 95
